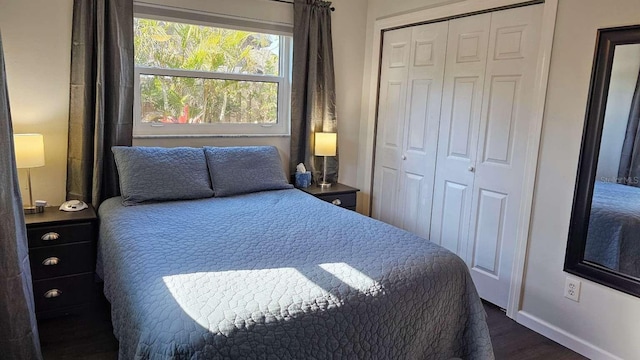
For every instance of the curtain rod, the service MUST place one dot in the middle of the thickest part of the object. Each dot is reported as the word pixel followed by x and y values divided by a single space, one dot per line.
pixel 291 2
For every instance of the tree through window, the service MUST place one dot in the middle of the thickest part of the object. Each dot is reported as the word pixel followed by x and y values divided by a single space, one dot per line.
pixel 235 81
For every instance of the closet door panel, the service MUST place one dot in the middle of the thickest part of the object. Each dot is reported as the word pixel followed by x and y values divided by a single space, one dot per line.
pixel 412 186
pixel 390 126
pixel 465 90
pixel 425 81
pixel 504 98
pixel 490 230
pixel 455 198
pixel 418 111
pixel 459 123
pixel 502 145
pixel 412 192
pixel 391 135
pixel 388 179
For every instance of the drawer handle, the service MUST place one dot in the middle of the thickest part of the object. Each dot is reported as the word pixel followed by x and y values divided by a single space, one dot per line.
pixel 51 261
pixel 337 202
pixel 53 293
pixel 50 236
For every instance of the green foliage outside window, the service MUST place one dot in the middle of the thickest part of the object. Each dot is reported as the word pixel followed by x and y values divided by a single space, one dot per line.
pixel 187 99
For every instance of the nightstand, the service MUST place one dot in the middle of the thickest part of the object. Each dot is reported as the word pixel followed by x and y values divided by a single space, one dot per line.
pixel 338 194
pixel 62 253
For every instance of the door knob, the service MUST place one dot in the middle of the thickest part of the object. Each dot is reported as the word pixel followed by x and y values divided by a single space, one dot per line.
pixel 471 168
pixel 403 157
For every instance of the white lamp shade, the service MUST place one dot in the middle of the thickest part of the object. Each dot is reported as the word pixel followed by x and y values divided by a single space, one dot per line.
pixel 29 150
pixel 325 144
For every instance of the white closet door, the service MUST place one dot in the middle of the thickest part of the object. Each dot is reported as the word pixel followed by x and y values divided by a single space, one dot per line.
pixel 389 140
pixel 408 116
pixel 459 124
pixel 424 98
pixel 502 144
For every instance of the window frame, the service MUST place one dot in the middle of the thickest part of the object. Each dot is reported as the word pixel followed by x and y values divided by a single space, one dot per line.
pixel 281 128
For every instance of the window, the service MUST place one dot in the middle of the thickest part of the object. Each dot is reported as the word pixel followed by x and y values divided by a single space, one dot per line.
pixel 195 80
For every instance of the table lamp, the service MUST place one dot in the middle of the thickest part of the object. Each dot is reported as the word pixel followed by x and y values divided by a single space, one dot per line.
pixel 325 145
pixel 29 154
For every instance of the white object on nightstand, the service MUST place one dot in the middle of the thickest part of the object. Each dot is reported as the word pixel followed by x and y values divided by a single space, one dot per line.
pixel 73 205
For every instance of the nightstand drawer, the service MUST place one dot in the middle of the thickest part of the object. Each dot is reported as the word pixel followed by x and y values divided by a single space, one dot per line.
pixel 59 234
pixel 60 260
pixel 57 293
pixel 342 200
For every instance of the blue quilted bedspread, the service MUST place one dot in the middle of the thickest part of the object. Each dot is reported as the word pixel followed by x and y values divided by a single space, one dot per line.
pixel 281 275
pixel 613 238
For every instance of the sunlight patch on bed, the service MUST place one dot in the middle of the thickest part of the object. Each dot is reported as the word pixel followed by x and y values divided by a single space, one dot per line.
pixel 224 301
pixel 353 277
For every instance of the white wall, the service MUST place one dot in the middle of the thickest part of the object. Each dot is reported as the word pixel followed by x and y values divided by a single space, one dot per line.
pixel 349 26
pixel 264 10
pixel 37 43
pixel 36 36
pixel 605 318
pixel 379 9
pixel 624 75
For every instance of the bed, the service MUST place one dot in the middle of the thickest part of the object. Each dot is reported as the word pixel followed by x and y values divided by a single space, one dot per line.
pixel 281 275
pixel 613 238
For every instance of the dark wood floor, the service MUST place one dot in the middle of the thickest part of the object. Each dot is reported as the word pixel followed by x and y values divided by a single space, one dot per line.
pixel 90 337
pixel 513 341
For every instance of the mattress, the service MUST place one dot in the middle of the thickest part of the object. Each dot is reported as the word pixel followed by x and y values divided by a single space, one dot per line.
pixel 281 275
pixel 613 237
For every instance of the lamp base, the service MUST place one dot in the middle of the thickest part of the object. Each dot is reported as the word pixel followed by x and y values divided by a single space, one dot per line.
pixel 28 210
pixel 324 184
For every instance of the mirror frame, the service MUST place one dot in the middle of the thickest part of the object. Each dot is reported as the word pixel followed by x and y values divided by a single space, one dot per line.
pixel 607 40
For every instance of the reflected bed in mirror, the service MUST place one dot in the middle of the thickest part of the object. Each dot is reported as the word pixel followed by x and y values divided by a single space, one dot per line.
pixel 604 235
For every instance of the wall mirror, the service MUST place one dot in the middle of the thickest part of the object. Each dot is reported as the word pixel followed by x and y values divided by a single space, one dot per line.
pixel 604 234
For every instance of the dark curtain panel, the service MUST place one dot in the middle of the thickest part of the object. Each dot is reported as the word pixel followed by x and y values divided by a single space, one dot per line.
pixel 629 169
pixel 313 94
pixel 101 104
pixel 18 327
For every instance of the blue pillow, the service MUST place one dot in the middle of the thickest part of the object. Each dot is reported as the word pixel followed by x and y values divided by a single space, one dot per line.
pixel 160 174
pixel 240 170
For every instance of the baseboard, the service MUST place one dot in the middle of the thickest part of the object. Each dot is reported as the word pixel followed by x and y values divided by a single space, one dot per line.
pixel 563 338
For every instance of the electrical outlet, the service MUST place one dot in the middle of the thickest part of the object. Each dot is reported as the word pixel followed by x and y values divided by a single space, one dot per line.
pixel 572 289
